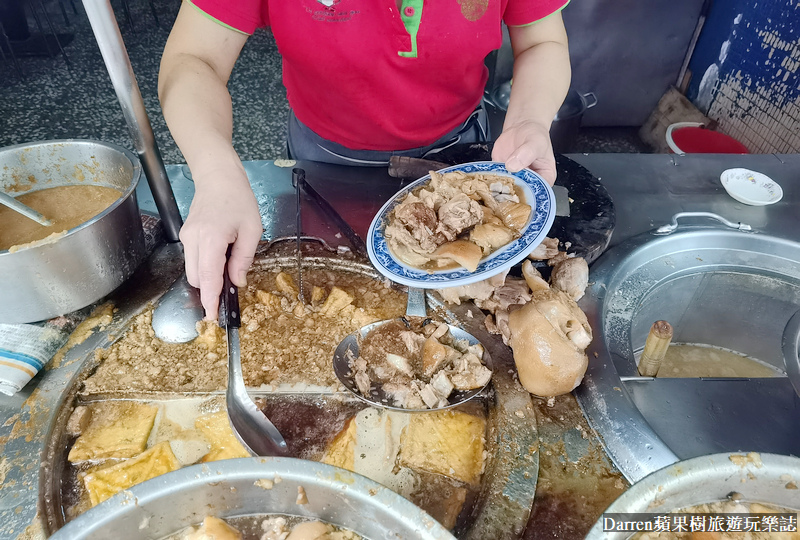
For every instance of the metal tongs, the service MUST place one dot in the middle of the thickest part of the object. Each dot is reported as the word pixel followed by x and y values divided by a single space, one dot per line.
pixel 250 425
pixel 298 177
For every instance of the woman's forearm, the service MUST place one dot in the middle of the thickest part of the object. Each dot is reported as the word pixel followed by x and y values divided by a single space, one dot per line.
pixel 197 108
pixel 541 72
pixel 192 87
pixel 541 81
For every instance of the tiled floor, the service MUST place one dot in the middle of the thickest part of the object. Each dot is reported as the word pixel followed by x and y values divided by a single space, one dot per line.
pixel 56 101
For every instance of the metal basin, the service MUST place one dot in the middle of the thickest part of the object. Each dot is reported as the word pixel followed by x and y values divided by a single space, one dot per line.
pixel 91 260
pixel 729 289
pixel 764 478
pixel 507 489
pixel 236 487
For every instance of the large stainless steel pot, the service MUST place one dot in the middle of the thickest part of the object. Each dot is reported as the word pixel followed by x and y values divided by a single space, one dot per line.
pixel 721 286
pixel 253 486
pixel 92 259
pixel 764 478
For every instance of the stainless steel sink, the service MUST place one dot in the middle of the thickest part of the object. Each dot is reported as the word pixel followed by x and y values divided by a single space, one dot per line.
pixel 732 289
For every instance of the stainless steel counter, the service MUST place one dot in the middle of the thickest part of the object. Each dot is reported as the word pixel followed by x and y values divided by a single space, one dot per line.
pixel 647 190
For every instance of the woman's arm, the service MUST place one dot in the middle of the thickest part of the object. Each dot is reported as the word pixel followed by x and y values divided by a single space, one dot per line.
pixel 541 81
pixel 192 86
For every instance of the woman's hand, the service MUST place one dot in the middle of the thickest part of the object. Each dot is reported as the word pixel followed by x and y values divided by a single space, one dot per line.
pixel 526 144
pixel 224 211
pixel 192 86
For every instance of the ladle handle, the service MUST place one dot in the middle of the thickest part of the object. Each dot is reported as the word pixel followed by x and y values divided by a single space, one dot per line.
pixel 655 348
pixel 791 351
pixel 416 303
pixel 666 229
pixel 27 211
pixel 229 299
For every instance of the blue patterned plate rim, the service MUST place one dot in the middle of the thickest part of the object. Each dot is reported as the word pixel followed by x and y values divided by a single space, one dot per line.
pixel 538 194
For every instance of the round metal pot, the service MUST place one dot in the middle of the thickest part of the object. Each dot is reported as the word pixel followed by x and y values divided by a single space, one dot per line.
pixel 254 486
pixel 764 478
pixel 567 123
pixel 56 277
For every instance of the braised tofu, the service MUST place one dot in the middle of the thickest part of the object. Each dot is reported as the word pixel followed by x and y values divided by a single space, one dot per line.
pixel 104 482
pixel 216 428
pixel 117 429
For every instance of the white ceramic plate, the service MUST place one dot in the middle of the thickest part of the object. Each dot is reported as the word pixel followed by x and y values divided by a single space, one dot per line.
pixel 538 195
pixel 751 187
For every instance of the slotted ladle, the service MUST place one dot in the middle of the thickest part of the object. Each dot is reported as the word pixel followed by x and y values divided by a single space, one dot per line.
pixel 348 351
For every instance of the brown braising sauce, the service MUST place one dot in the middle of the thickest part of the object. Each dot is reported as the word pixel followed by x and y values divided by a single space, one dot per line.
pixel 66 206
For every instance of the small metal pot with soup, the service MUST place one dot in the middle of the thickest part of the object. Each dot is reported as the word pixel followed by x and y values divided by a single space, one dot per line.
pixel 87 189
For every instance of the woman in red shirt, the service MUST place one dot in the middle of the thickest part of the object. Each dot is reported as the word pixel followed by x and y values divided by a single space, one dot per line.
pixel 365 79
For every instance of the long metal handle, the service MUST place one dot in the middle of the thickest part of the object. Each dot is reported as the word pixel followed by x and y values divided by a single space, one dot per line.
pixel 416 303
pixel 109 39
pixel 791 351
pixel 666 229
pixel 358 244
pixel 27 211
pixel 298 177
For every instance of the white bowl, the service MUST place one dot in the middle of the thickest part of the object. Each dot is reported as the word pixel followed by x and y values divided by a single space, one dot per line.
pixel 751 187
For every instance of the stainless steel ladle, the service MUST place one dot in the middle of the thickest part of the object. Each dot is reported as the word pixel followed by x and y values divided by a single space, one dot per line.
pixel 250 425
pixel 177 313
pixel 348 350
pixel 175 321
pixel 27 211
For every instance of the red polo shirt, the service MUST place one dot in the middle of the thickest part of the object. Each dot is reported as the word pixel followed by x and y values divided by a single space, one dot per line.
pixel 371 76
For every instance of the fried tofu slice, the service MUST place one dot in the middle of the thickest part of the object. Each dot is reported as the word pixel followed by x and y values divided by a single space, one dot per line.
pixel 104 482
pixel 341 451
pixel 448 442
pixel 216 428
pixel 337 300
pixel 117 429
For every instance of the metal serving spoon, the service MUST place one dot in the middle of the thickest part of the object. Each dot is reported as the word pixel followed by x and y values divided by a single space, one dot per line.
pixel 250 425
pixel 348 350
pixel 177 313
pixel 27 211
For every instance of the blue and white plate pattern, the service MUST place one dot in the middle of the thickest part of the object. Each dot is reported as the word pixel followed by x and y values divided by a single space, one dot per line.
pixel 538 195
